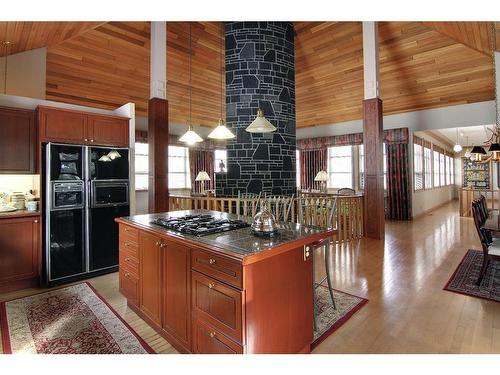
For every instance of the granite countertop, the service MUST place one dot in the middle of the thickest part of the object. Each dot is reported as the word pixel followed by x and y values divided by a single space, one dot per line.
pixel 239 241
pixel 18 213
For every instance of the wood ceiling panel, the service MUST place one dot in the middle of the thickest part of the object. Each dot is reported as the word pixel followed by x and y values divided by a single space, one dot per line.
pixel 30 35
pixel 109 66
pixel 420 68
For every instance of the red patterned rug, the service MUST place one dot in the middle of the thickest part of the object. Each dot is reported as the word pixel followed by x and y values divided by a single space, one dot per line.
pixel 464 278
pixel 71 320
pixel 328 319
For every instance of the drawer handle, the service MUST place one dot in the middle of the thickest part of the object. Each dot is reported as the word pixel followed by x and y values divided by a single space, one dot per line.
pixel 35 221
pixel 212 334
pixel 91 140
pixel 162 245
pixel 127 244
pixel 212 261
pixel 126 230
pixel 127 259
pixel 127 274
pixel 158 243
pixel 86 139
pixel 211 285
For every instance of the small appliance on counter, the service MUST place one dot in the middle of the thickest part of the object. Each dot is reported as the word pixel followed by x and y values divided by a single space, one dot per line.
pixel 264 223
pixel 17 200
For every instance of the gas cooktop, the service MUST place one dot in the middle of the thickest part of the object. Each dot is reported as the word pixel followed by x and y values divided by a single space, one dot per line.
pixel 199 225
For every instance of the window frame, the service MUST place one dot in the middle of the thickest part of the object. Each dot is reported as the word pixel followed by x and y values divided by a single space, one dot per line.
pixel 186 172
pixel 329 167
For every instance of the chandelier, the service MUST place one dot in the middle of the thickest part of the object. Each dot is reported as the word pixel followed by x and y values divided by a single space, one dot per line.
pixel 493 135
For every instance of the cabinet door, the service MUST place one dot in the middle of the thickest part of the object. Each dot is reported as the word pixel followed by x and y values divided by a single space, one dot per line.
pixel 176 284
pixel 108 131
pixel 58 125
pixel 17 141
pixel 19 249
pixel 150 276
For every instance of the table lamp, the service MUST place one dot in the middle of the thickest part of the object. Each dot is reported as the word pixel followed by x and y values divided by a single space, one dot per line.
pixel 202 176
pixel 322 178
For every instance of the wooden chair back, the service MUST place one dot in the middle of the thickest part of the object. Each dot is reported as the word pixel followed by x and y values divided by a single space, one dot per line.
pixel 247 204
pixel 280 206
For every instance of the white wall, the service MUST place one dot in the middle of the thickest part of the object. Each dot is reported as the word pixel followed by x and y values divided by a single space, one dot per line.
pixel 482 113
pixel 26 73
pixel 426 200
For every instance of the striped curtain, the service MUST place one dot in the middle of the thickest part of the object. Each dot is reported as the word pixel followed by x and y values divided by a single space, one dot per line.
pixel 311 162
pixel 201 160
pixel 398 182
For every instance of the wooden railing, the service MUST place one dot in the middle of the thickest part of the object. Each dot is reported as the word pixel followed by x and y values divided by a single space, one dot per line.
pixel 347 218
pixel 466 196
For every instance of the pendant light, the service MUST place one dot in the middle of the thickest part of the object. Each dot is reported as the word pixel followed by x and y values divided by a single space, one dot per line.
pixel 457 148
pixel 467 150
pixel 261 124
pixel 221 131
pixel 190 137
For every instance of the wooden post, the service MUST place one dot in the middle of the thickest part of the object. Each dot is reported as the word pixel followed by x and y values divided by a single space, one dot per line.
pixel 158 121
pixel 374 221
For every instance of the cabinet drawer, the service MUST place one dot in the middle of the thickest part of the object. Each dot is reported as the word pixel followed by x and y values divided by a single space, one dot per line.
pixel 129 263
pixel 131 248
pixel 217 304
pixel 217 267
pixel 129 234
pixel 129 286
pixel 207 340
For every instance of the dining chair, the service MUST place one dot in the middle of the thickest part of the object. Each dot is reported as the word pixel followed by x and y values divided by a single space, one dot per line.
pixel 280 206
pixel 346 191
pixel 491 249
pixel 320 212
pixel 248 203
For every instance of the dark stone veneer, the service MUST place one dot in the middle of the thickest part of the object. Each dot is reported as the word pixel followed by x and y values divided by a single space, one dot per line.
pixel 260 73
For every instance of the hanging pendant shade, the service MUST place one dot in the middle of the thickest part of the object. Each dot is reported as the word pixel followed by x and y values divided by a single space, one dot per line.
pixel 495 147
pixel 260 124
pixel 190 137
pixel 457 148
pixel 478 150
pixel 221 132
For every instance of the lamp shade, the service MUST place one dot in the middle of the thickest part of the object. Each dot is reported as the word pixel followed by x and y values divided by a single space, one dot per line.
pixel 190 137
pixel 457 148
pixel 321 176
pixel 202 176
pixel 260 124
pixel 221 132
pixel 478 150
pixel 494 147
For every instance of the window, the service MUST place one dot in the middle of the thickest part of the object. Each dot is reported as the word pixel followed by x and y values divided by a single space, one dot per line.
pixel 141 166
pixel 178 168
pixel 442 170
pixel 362 166
pixel 340 167
pixel 220 161
pixel 436 169
pixel 427 168
pixel 447 164
pixel 418 166
pixel 297 167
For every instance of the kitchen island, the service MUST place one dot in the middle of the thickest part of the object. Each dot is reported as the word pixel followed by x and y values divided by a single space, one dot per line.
pixel 228 292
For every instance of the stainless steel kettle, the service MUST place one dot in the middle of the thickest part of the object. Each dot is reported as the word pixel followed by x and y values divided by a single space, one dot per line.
pixel 264 222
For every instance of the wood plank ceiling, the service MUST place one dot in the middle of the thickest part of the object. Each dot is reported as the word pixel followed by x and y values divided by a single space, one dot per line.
pixel 420 68
pixel 109 66
pixel 29 35
pixel 423 65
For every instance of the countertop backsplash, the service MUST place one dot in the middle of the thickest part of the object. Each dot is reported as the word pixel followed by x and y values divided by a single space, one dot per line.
pixel 20 183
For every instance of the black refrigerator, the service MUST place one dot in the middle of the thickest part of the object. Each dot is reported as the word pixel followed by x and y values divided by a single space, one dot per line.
pixel 85 189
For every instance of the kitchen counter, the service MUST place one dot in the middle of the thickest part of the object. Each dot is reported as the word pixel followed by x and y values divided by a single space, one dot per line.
pixel 18 213
pixel 228 292
pixel 239 243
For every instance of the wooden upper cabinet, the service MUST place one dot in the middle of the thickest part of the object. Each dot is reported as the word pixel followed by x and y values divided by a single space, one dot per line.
pixel 19 250
pixel 17 141
pixel 68 126
pixel 64 126
pixel 109 131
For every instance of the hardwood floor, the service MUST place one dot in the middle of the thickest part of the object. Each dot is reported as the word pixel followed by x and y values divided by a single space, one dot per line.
pixel 408 310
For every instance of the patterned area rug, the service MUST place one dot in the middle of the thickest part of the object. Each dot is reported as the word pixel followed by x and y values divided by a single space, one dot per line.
pixel 330 319
pixel 464 278
pixel 71 320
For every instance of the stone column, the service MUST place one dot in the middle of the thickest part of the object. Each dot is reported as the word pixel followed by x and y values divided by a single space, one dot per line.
pixel 260 73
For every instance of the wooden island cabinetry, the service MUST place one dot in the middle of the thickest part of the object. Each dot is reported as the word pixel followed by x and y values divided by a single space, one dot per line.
pixel 208 299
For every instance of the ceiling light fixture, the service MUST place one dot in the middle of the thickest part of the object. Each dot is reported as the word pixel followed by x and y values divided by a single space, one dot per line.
pixel 221 131
pixel 260 124
pixel 190 137
pixel 457 148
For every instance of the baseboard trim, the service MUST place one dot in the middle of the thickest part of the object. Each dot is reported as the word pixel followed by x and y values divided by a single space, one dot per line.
pixel 426 212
